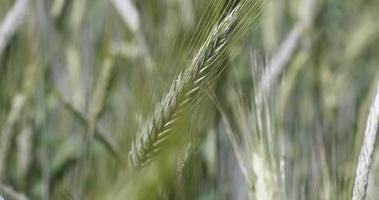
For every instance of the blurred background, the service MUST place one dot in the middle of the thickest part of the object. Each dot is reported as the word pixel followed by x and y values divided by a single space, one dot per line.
pixel 286 119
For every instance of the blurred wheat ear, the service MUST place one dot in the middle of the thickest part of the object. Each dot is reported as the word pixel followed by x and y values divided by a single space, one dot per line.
pixel 203 70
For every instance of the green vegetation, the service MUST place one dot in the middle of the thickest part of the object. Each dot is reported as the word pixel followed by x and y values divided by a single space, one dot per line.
pixel 189 99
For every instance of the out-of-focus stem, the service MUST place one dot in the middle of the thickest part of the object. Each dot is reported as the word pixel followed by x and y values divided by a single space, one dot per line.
pixel 287 49
pixel 12 21
pixel 130 16
pixel 99 134
pixel 281 57
pixel 10 193
pixel 8 129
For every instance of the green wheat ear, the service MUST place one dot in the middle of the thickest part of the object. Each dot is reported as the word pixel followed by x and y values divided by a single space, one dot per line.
pixel 203 69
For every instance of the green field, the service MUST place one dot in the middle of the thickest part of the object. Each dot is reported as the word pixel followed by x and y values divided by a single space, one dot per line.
pixel 189 99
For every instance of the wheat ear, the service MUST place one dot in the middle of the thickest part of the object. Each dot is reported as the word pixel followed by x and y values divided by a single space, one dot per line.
pixel 201 71
pixel 367 149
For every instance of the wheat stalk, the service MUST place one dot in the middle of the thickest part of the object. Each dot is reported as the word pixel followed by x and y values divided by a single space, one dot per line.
pixel 201 71
pixel 367 149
